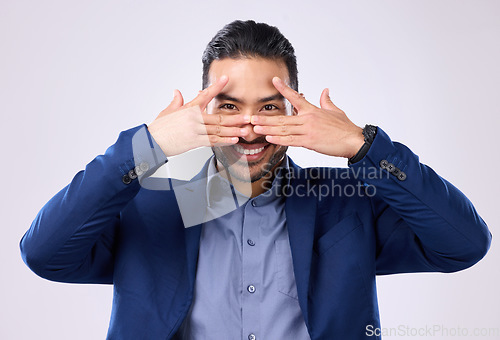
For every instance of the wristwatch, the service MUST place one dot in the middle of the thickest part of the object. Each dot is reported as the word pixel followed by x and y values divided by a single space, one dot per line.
pixel 369 132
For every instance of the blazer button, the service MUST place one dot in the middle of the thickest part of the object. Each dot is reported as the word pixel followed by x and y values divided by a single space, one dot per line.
pixel 138 170
pixel 396 172
pixel 390 167
pixel 132 174
pixel 126 179
pixel 384 163
pixel 144 166
pixel 402 176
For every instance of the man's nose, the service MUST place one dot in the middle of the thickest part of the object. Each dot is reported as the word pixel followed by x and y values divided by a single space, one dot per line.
pixel 251 135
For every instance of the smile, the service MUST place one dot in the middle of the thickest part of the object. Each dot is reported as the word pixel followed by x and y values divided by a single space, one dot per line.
pixel 244 151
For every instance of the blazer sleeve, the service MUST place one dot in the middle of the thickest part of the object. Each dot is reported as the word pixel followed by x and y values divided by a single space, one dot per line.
pixel 72 238
pixel 422 222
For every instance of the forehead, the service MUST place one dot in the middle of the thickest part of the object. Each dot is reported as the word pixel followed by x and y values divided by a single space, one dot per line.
pixel 248 77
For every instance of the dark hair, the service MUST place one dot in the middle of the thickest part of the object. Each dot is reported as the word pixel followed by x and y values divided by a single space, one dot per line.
pixel 244 39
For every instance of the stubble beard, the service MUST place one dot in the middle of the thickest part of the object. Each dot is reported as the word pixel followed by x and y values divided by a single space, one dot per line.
pixel 244 171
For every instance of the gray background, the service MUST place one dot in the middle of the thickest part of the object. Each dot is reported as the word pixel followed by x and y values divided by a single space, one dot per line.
pixel 76 73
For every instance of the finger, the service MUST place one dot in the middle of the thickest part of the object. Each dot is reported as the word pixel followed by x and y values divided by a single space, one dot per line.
pixel 282 130
pixel 278 120
pixel 214 140
pixel 205 96
pixel 298 101
pixel 178 97
pixel 223 131
pixel 175 104
pixel 290 140
pixel 326 102
pixel 224 119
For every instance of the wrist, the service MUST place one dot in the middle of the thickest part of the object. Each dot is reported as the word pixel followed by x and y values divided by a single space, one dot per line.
pixel 355 143
pixel 368 133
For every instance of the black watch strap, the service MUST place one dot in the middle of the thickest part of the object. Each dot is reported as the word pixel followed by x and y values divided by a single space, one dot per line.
pixel 369 132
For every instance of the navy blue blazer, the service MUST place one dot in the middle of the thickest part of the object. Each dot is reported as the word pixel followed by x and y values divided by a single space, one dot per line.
pixel 102 228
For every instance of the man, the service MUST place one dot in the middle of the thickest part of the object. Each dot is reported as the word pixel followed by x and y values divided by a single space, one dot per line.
pixel 253 247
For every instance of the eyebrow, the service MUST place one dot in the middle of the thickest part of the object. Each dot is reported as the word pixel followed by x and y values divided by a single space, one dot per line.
pixel 223 96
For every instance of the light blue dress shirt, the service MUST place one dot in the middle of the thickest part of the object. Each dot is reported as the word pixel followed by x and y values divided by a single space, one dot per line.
pixel 245 286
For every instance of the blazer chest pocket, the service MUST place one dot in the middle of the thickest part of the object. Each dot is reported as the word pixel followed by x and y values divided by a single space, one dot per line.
pixel 337 233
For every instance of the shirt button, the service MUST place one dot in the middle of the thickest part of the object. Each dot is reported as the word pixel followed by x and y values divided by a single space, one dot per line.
pixel 251 336
pixel 250 242
pixel 251 289
pixel 254 204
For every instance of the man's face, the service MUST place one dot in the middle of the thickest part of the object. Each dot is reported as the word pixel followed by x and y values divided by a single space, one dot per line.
pixel 250 91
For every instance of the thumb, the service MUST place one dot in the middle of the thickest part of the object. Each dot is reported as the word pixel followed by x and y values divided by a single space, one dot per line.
pixel 174 105
pixel 176 102
pixel 326 102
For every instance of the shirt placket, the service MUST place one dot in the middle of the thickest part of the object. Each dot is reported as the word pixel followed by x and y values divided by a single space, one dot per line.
pixel 251 265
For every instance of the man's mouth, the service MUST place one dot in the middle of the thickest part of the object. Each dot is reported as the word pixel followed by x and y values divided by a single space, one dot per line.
pixel 250 151
pixel 246 151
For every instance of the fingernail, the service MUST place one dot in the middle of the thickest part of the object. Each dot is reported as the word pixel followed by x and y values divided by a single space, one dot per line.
pixel 246 118
pixel 255 119
pixel 328 92
pixel 223 78
pixel 278 81
pixel 173 94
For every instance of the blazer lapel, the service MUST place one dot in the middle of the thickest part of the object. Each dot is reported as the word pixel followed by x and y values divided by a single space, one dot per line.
pixel 300 212
pixel 192 247
pixel 191 199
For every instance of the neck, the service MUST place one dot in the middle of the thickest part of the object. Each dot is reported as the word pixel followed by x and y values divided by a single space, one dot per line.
pixel 256 188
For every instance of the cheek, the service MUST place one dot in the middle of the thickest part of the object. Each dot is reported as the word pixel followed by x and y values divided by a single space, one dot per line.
pixel 277 149
pixel 224 149
pixel 280 149
pixel 220 150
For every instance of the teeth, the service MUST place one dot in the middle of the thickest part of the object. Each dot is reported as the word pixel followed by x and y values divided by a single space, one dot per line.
pixel 247 151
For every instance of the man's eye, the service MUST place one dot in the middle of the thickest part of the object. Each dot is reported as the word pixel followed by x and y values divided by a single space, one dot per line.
pixel 227 106
pixel 269 107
